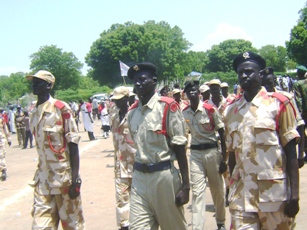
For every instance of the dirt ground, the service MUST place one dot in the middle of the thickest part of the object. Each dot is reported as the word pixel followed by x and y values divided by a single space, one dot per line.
pixel 98 193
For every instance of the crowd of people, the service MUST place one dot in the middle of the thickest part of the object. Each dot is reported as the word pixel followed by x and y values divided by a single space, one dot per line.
pixel 248 146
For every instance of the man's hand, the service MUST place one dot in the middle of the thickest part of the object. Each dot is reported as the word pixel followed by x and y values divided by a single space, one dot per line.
pixel 301 162
pixel 223 167
pixel 291 208
pixel 182 197
pixel 74 191
pixel 10 143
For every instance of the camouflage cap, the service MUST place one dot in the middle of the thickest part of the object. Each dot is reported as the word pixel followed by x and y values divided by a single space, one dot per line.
pixel 215 82
pixel 120 92
pixel 224 84
pixel 203 88
pixel 44 75
pixel 176 91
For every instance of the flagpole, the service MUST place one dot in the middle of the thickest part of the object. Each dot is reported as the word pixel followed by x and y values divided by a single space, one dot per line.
pixel 124 80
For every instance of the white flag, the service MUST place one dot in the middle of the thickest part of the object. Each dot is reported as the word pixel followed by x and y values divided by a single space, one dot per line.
pixel 123 68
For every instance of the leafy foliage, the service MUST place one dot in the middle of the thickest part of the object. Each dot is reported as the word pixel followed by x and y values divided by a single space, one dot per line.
pixel 63 65
pixel 297 44
pixel 220 56
pixel 131 43
pixel 275 57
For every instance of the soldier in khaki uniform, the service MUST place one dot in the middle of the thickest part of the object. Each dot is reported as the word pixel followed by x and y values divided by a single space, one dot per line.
pixel 261 139
pixel 206 160
pixel 56 182
pixel 217 99
pixel 205 92
pixel 20 127
pixel 157 127
pixel 4 137
pixel 124 151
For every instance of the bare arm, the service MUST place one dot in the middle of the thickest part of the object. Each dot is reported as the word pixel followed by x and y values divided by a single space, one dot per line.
pixel 183 195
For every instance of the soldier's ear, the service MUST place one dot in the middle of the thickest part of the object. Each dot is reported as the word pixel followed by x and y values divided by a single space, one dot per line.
pixel 49 86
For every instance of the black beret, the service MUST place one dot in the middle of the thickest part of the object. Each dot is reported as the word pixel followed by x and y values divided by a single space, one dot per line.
pixel 267 71
pixel 248 56
pixel 189 84
pixel 142 67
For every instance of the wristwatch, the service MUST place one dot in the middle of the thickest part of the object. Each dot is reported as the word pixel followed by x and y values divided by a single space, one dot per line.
pixel 78 181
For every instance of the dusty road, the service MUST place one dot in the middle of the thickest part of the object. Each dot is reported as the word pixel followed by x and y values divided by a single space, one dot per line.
pixel 98 194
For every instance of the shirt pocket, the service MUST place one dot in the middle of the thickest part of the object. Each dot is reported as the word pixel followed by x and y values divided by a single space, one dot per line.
pixel 206 124
pixel 233 137
pixel 265 132
pixel 272 185
pixel 153 134
pixel 54 136
pixel 59 174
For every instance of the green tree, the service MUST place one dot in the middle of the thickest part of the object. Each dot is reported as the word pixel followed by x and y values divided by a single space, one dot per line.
pixel 63 65
pixel 13 87
pixel 158 43
pixel 275 57
pixel 220 56
pixel 297 44
pixel 197 61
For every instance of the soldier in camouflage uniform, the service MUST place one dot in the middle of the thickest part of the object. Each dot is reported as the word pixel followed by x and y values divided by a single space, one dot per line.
pixel 4 137
pixel 261 138
pixel 124 151
pixel 269 82
pixel 56 182
pixel 300 93
pixel 158 192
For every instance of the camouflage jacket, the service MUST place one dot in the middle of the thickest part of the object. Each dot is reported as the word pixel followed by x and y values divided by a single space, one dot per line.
pixel 124 148
pixel 300 92
pixel 259 179
pixel 4 133
pixel 52 127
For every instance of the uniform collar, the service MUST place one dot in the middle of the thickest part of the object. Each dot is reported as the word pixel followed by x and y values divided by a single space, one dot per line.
pixel 151 103
pixel 256 100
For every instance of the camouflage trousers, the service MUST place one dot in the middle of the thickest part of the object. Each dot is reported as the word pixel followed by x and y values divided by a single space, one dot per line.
pixel 260 220
pixel 21 135
pixel 2 158
pixel 122 190
pixel 205 164
pixel 49 210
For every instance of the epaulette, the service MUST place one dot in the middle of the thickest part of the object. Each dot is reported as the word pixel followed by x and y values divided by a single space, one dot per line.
pixel 167 100
pixel 185 108
pixel 282 98
pixel 59 104
pixel 134 105
pixel 208 107
pixel 237 97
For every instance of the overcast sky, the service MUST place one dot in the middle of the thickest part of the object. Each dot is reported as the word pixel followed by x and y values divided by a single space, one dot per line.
pixel 73 25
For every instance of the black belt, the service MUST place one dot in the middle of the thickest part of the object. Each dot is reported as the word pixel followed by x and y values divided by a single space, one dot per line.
pixel 203 146
pixel 149 168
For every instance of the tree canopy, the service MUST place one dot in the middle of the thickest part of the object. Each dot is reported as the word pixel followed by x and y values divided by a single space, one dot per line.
pixel 158 43
pixel 275 57
pixel 220 56
pixel 297 44
pixel 63 65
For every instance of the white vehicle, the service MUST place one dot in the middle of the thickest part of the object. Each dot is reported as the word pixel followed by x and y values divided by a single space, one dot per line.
pixel 101 97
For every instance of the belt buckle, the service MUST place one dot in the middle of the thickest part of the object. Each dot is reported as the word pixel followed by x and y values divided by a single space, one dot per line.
pixel 145 168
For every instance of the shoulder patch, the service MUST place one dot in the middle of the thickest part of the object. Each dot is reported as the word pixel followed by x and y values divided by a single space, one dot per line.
pixel 66 115
pixel 174 107
pixel 167 100
pixel 208 107
pixel 133 106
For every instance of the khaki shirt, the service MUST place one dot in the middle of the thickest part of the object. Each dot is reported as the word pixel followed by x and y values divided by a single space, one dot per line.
pixel 145 121
pixel 202 130
pixel 259 179
pixel 53 172
pixel 124 147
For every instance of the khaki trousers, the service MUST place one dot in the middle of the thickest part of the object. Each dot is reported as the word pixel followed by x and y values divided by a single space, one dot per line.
pixel 153 201
pixel 205 163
